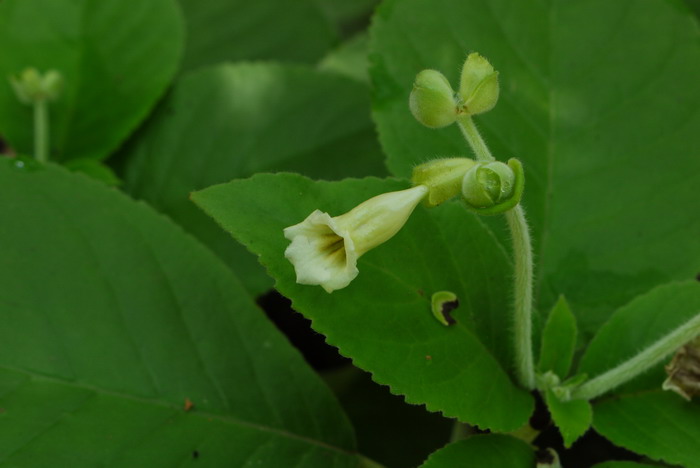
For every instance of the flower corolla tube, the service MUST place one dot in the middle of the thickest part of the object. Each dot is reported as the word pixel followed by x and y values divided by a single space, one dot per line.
pixel 324 249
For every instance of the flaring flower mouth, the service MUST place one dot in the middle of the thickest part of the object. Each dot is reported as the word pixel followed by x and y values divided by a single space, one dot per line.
pixel 322 252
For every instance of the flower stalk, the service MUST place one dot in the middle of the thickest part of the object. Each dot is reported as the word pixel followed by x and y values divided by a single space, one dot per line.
pixel 522 251
pixel 641 362
pixel 473 137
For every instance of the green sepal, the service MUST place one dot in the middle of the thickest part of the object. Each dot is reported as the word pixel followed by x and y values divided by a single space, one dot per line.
pixel 513 200
pixel 443 177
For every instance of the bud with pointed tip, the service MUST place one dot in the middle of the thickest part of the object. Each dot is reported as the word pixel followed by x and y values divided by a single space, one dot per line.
pixel 478 88
pixel 324 250
pixel 432 100
pixel 31 86
pixel 493 187
pixel 443 177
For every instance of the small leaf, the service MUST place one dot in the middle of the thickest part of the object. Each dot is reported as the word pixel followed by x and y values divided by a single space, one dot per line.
pixel 573 417
pixel 383 319
pixel 116 59
pixel 558 340
pixel 660 425
pixel 483 451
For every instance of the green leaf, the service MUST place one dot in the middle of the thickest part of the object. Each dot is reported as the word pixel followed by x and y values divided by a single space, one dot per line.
pixel 558 340
pixel 95 169
pixel 598 99
pixel 113 317
pixel 383 320
pixel 660 425
pixel 388 429
pixel 483 451
pixel 349 59
pixel 623 464
pixel 116 59
pixel 350 17
pixel 638 325
pixel 231 121
pixel 573 417
pixel 231 30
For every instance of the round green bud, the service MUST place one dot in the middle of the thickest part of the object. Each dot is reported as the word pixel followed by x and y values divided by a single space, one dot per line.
pixel 493 187
pixel 479 87
pixel 432 100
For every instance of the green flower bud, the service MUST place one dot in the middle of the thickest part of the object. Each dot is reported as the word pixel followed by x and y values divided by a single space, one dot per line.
pixel 30 86
pixel 432 100
pixel 478 88
pixel 443 177
pixel 494 187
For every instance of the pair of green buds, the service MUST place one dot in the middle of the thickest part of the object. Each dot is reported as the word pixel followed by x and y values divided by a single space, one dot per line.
pixel 487 186
pixel 434 104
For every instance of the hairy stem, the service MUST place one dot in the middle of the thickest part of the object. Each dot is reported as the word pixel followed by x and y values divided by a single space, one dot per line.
pixel 41 130
pixel 522 251
pixel 473 137
pixel 639 363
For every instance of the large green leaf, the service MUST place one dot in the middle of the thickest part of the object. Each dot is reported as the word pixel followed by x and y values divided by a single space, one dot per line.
pixel 658 424
pixel 116 58
pixel 640 324
pixel 234 120
pixel 598 99
pixel 113 317
pixel 483 451
pixel 223 30
pixel 383 320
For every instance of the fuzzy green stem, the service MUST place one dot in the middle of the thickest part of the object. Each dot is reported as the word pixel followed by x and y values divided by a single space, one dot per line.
pixel 473 137
pixel 640 363
pixel 522 251
pixel 41 130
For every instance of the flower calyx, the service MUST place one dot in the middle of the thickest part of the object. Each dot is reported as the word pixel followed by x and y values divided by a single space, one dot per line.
pixel 432 100
pixel 443 177
pixel 324 250
pixel 479 89
pixel 490 188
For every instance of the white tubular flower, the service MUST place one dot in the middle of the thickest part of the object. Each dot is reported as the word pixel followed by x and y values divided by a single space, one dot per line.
pixel 324 250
